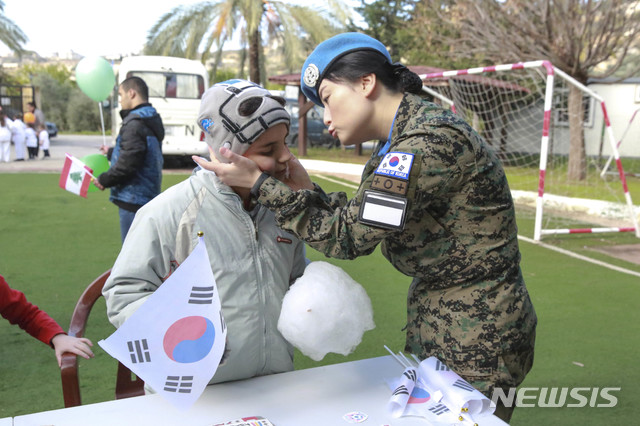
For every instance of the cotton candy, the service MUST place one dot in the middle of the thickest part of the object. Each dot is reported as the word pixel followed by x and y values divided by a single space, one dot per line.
pixel 324 311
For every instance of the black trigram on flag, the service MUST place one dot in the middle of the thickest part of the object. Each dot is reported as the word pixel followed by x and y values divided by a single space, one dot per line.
pixel 178 384
pixel 439 409
pixel 201 295
pixel 441 366
pixel 410 374
pixel 463 385
pixel 139 351
pixel 401 390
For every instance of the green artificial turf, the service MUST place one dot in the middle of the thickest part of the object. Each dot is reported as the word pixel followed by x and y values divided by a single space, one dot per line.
pixel 53 244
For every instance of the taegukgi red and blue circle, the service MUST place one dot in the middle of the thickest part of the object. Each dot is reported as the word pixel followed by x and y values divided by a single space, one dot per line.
pixel 189 339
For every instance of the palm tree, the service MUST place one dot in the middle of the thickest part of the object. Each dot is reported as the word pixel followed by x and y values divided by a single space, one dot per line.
pixel 186 29
pixel 10 34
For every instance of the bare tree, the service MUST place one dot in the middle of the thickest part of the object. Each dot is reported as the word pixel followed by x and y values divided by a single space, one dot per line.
pixel 577 36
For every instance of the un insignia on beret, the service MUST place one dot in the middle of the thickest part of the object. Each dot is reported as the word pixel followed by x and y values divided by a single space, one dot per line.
pixel 311 75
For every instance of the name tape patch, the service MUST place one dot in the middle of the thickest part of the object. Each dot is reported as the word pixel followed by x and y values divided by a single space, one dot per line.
pixel 396 165
pixel 382 210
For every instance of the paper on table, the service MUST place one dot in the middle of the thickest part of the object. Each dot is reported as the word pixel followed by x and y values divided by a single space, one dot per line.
pixel 247 421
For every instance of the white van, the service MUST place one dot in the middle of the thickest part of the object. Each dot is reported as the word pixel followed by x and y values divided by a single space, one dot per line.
pixel 175 88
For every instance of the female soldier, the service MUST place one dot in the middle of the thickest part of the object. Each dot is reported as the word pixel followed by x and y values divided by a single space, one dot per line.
pixel 433 194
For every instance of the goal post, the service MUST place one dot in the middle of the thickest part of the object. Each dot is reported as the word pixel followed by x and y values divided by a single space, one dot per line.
pixel 523 110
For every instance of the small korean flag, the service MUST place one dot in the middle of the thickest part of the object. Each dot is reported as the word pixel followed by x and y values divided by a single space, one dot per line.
pixel 175 340
pixel 396 164
pixel 458 395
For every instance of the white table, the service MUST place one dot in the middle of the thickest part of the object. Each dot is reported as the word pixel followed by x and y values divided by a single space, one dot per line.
pixel 7 421
pixel 317 396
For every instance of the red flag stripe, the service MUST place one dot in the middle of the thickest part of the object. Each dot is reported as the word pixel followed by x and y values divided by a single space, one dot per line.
pixel 65 172
pixel 86 181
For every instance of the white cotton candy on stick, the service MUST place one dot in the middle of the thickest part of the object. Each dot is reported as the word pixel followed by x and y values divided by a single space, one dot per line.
pixel 324 311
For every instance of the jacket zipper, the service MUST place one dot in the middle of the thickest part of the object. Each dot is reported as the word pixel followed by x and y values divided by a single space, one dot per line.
pixel 255 227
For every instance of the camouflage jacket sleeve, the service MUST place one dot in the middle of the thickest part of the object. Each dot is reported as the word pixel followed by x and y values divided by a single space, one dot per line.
pixel 334 199
pixel 327 222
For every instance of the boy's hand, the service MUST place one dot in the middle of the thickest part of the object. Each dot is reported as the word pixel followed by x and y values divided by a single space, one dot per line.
pixel 98 184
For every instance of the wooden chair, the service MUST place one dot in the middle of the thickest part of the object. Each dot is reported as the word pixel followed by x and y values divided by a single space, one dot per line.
pixel 125 386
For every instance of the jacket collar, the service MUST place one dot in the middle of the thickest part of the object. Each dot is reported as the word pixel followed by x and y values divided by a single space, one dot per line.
pixel 126 112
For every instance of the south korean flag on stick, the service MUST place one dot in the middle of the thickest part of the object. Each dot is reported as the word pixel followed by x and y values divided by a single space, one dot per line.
pixel 175 340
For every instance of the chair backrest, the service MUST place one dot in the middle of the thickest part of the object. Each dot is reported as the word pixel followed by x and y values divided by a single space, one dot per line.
pixel 126 385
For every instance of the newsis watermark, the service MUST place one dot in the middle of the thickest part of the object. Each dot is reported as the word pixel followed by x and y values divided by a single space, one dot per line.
pixel 554 397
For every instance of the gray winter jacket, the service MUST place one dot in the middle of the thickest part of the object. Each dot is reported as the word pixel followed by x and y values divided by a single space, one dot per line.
pixel 253 262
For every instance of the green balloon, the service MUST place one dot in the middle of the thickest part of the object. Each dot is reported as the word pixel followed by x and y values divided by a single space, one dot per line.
pixel 99 164
pixel 95 77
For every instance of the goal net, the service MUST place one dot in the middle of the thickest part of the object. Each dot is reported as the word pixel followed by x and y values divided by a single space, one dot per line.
pixel 560 155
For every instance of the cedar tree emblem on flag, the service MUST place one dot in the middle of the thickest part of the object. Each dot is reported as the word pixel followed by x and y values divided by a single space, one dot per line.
pixel 175 340
pixel 75 176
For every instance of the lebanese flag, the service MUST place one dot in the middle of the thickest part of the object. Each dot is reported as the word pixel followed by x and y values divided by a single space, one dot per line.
pixel 75 176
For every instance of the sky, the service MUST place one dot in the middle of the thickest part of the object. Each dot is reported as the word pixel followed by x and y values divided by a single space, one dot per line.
pixel 90 28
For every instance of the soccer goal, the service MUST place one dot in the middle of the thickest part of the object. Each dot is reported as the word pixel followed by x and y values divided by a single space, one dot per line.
pixel 553 149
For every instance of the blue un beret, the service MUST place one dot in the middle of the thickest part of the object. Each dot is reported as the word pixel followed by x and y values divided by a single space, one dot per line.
pixel 327 52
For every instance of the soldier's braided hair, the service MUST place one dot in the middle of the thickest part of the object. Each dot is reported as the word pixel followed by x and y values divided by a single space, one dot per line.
pixel 395 77
pixel 409 80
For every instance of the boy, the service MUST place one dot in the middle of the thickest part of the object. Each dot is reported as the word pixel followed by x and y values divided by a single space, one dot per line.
pixel 135 175
pixel 253 261
pixel 43 140
pixel 30 136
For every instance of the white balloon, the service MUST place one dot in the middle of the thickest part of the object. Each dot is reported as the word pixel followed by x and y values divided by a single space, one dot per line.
pixel 324 311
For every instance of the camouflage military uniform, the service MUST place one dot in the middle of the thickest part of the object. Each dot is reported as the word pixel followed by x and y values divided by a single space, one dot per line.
pixel 467 304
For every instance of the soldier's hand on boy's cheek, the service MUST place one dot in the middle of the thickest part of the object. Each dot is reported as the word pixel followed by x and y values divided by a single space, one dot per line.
pixel 297 178
pixel 240 171
pixel 212 156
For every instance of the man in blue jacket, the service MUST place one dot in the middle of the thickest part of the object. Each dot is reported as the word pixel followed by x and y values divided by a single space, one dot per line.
pixel 135 174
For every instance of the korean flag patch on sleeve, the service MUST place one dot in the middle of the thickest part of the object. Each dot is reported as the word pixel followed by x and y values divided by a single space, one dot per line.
pixel 396 165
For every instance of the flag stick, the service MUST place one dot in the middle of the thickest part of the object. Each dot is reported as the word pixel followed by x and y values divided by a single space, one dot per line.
pixel 104 138
pixel 400 361
pixel 405 359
